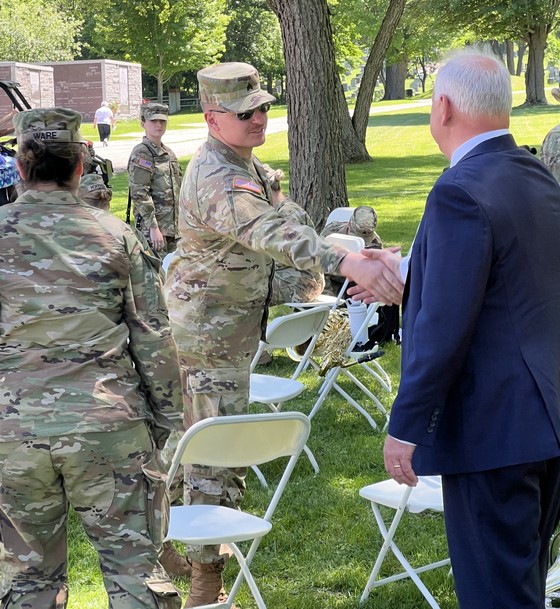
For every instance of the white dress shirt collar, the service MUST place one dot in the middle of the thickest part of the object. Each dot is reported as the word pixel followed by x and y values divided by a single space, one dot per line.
pixel 473 142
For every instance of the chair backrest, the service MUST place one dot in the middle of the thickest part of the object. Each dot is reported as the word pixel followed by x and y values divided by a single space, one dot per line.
pixel 295 328
pixel 292 330
pixel 353 244
pixel 244 440
pixel 340 214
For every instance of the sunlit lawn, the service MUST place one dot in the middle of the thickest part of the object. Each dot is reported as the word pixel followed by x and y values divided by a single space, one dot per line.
pixel 321 549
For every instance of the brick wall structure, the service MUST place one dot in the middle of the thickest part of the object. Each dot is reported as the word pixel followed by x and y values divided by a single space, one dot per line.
pixel 80 85
pixel 36 82
pixel 83 85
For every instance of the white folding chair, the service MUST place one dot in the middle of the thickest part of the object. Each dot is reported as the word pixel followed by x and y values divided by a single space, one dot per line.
pixel 427 495
pixel 340 214
pixel 235 441
pixel 371 366
pixel 283 332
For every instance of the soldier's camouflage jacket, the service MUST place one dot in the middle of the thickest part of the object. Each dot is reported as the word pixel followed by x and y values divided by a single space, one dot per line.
pixel 218 280
pixel 85 343
pixel 155 181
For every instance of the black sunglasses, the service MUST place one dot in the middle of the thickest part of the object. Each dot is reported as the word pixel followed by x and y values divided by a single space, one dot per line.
pixel 245 116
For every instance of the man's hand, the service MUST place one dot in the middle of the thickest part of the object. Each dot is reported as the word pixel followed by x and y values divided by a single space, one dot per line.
pixel 377 275
pixel 157 239
pixel 398 461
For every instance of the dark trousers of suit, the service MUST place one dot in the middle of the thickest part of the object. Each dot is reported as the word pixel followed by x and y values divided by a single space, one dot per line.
pixel 499 524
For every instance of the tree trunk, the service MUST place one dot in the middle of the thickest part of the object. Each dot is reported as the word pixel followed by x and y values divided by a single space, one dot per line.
pixel 509 57
pixel 372 68
pixel 317 178
pixel 396 78
pixel 534 75
pixel 497 48
pixel 424 76
pixel 160 81
pixel 521 46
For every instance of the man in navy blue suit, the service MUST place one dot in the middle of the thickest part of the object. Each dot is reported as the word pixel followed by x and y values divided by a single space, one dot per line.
pixel 479 399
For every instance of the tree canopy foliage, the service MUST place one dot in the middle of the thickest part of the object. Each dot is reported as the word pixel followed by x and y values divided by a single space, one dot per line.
pixel 170 36
pixel 530 21
pixel 36 30
pixel 253 36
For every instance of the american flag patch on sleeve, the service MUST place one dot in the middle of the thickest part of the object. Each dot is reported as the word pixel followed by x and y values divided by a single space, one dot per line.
pixel 246 185
pixel 144 163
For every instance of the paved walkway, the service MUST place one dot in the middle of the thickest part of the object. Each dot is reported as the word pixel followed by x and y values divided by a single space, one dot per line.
pixel 185 141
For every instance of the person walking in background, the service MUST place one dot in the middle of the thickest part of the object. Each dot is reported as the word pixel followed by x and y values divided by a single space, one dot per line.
pixel 84 405
pixel 154 182
pixel 479 397
pixel 104 120
pixel 219 280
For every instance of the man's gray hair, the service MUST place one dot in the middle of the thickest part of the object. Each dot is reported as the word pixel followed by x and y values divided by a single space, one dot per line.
pixel 476 81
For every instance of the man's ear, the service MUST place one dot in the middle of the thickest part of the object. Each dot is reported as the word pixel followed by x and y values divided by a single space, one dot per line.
pixel 446 110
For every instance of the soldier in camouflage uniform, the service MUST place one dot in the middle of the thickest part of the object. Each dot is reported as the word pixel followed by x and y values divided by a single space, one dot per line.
pixel 84 402
pixel 550 151
pixel 94 191
pixel 218 282
pixel 288 283
pixel 155 181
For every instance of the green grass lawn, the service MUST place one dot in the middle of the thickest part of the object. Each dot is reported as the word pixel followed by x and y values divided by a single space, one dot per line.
pixel 323 543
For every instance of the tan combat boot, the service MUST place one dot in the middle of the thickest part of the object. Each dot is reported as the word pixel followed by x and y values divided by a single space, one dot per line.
pixel 206 585
pixel 175 564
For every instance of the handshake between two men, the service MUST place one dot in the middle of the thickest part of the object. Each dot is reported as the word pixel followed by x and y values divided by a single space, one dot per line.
pixel 377 275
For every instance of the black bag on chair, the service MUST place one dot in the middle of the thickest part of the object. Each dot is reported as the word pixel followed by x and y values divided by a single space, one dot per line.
pixel 387 328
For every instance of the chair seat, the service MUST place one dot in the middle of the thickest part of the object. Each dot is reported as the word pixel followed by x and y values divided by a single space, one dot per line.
pixel 426 495
pixel 267 389
pixel 214 524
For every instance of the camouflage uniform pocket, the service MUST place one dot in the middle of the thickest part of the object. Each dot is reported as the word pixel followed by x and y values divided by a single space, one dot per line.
pixel 164 592
pixel 216 392
pixel 157 500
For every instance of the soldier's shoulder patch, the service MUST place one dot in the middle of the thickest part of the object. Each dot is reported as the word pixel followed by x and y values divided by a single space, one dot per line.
pixel 144 163
pixel 241 184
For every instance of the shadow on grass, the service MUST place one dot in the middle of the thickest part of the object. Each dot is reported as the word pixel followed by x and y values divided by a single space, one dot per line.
pixel 402 119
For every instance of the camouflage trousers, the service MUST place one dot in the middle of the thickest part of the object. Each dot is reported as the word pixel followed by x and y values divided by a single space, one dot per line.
pixel 116 484
pixel 292 285
pixel 211 393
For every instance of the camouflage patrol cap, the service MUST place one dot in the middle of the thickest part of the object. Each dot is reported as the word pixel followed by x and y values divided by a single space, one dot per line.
pixel 154 112
pixel 48 125
pixel 94 191
pixel 363 222
pixel 233 85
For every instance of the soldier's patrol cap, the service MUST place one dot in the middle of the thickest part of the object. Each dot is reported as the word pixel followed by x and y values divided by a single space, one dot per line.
pixel 92 183
pixel 233 85
pixel 154 112
pixel 48 125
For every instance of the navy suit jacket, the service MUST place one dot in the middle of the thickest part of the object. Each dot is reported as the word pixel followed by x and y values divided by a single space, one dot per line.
pixel 480 383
